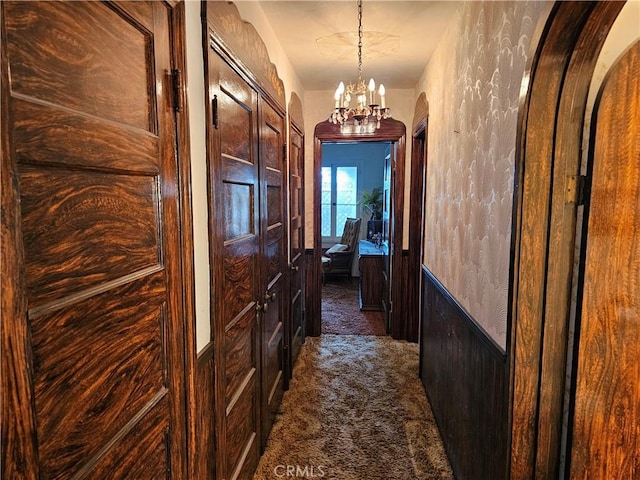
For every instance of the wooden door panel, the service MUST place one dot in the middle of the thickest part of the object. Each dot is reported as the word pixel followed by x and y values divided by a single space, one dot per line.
pixel 296 245
pixel 73 380
pixel 239 346
pixel 92 152
pixel 93 45
pixel 84 141
pixel 106 228
pixel 606 425
pixel 143 453
pixel 236 243
pixel 274 254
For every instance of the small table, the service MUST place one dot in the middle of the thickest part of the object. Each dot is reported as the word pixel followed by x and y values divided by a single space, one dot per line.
pixel 371 265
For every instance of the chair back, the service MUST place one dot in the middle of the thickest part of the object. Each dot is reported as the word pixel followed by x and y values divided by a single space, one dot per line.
pixel 351 233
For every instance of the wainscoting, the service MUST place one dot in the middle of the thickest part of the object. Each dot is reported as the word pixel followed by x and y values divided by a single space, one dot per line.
pixel 465 375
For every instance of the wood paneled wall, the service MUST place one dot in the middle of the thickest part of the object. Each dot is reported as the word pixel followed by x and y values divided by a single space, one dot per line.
pixel 466 378
pixel 204 452
pixel 313 298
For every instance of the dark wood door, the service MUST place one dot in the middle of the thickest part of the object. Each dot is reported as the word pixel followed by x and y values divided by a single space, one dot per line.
pixel 235 253
pixel 606 423
pixel 92 348
pixel 273 235
pixel 296 244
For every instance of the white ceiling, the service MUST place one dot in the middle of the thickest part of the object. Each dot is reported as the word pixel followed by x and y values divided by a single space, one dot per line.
pixel 399 38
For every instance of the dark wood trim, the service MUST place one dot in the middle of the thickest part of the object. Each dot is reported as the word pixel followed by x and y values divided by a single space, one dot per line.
pixel 295 112
pixel 392 131
pixel 239 42
pixel 203 464
pixel 178 31
pixel 313 286
pixel 465 374
pixel 547 155
pixel 17 420
pixel 417 192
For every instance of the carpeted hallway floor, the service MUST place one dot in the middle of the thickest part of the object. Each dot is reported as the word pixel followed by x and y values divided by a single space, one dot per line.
pixel 341 312
pixel 355 410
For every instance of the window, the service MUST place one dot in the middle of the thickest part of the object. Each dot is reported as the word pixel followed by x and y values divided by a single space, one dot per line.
pixel 339 198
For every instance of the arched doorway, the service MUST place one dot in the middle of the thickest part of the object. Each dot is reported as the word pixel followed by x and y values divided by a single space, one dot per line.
pixel 392 131
pixel 548 163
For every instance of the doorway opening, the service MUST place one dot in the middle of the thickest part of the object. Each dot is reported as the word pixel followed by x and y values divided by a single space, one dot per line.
pixel 391 132
pixel 355 240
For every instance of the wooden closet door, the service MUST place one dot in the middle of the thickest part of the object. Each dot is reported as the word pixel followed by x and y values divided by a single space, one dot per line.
pixel 273 239
pixel 92 347
pixel 235 254
pixel 296 243
pixel 606 424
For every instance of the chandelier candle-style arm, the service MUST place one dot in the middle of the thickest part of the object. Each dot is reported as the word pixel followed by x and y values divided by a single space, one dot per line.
pixel 362 113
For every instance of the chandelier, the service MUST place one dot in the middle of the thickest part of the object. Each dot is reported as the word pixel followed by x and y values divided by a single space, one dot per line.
pixel 366 113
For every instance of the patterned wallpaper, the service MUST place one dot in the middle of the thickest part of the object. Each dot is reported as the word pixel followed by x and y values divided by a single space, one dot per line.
pixel 472 84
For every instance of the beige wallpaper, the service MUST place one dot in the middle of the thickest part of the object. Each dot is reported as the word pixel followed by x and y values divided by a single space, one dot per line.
pixel 472 85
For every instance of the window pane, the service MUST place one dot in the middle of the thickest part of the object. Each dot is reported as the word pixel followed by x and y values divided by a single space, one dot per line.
pixel 342 212
pixel 326 220
pixel 325 202
pixel 346 196
pixel 346 185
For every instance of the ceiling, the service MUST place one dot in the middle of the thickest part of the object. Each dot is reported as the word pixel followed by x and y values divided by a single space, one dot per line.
pixel 320 39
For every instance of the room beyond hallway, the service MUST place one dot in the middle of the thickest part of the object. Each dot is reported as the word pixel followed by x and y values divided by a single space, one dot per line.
pixel 341 312
pixel 355 410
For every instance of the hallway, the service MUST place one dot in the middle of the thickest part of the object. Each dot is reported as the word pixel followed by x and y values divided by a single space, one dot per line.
pixel 355 410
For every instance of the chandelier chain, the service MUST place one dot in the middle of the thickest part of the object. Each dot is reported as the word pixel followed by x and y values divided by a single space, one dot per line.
pixel 359 40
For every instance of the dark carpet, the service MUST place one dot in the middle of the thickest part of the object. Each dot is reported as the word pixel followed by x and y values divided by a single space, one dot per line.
pixel 341 313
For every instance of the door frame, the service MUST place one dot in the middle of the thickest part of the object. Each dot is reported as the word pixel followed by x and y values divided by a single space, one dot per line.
pixel 548 157
pixel 392 131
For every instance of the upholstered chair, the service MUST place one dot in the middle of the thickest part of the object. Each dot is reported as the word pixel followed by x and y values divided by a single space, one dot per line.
pixel 338 259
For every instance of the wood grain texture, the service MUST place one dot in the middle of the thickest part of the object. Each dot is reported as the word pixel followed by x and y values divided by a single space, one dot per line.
pixel 204 441
pixel 371 282
pixel 102 363
pixel 273 172
pixel 84 77
pixel 240 41
pixel 47 134
pixel 606 425
pixel 248 251
pixel 544 232
pixel 295 330
pixel 84 399
pixel 105 225
pixel 465 375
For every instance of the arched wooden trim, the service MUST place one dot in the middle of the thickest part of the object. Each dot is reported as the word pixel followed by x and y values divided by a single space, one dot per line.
pixel 390 130
pixel 295 111
pixel 242 43
pixel 548 156
pixel 420 114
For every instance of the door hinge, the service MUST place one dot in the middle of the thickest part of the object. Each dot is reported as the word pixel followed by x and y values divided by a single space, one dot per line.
pixel 576 192
pixel 214 111
pixel 176 78
pixel 284 153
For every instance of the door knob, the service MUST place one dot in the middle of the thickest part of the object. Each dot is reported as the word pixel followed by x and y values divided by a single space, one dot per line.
pixel 271 297
pixel 293 267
